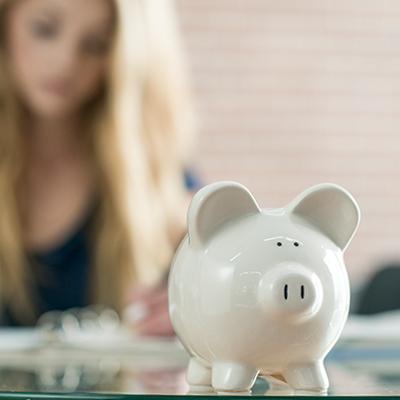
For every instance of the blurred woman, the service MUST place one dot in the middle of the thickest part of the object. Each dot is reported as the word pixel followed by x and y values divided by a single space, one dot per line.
pixel 95 132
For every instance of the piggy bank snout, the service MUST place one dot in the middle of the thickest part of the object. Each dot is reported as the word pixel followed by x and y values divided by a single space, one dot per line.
pixel 291 292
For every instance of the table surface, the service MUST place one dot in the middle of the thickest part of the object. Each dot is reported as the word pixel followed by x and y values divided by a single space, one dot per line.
pixel 156 369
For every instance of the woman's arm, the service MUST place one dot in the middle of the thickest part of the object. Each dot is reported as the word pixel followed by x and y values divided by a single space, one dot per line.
pixel 148 312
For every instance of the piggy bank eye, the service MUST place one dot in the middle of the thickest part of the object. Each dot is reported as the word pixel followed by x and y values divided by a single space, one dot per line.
pixel 296 244
pixel 279 244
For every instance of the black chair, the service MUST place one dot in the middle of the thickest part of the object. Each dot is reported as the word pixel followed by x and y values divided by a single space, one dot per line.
pixel 382 292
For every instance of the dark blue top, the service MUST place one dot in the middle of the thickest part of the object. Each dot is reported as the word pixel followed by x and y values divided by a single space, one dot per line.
pixel 62 274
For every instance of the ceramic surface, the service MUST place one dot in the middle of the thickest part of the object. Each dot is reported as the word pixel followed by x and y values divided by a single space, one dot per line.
pixel 261 291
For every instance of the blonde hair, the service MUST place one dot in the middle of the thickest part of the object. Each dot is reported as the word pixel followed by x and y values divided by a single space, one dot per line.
pixel 141 131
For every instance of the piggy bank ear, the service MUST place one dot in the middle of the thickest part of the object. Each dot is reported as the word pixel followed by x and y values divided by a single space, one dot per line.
pixel 215 204
pixel 330 209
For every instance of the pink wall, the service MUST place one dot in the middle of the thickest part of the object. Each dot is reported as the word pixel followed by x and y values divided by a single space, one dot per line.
pixel 292 93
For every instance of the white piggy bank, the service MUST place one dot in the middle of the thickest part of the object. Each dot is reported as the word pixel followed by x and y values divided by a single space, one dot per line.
pixel 261 291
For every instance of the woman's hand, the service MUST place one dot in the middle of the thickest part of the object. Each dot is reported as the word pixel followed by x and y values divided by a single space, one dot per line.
pixel 148 312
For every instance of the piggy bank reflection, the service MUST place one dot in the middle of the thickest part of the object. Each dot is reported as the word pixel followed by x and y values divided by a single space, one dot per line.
pixel 261 291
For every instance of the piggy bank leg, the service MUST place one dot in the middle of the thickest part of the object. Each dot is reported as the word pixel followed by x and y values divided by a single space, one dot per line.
pixel 307 377
pixel 233 377
pixel 198 376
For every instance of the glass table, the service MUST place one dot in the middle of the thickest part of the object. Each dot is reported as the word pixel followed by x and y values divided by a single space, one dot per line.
pixel 154 368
